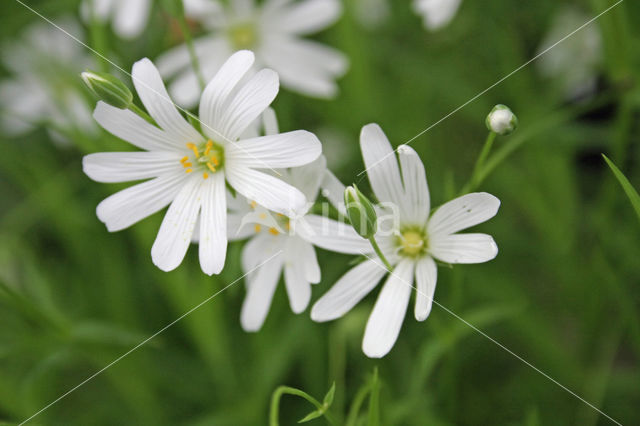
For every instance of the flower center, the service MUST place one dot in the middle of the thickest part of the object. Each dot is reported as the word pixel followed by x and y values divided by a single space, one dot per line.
pixel 207 157
pixel 243 35
pixel 412 243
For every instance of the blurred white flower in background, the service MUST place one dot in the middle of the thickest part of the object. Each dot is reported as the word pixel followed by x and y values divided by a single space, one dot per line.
pixel 273 31
pixel 418 238
pixel 573 63
pixel 43 88
pixel 436 14
pixel 129 17
pixel 189 169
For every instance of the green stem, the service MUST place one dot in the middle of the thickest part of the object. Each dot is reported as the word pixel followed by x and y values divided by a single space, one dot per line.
pixel 133 107
pixel 195 63
pixel 286 390
pixel 484 154
pixel 376 248
pixel 98 40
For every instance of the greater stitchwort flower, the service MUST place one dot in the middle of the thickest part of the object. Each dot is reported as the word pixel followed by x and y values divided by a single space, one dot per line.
pixel 436 13
pixel 41 91
pixel 412 245
pixel 272 31
pixel 189 169
pixel 129 16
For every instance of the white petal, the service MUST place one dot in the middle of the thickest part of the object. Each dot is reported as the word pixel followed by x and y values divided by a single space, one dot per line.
pixel 309 177
pixel 132 128
pixel 270 122
pixel 236 228
pixel 215 95
pixel 388 313
pixel 284 150
pixel 131 17
pixel 306 17
pixel 463 212
pixel 426 276
pixel 331 235
pixel 155 98
pixel 347 291
pixel 436 13
pixel 333 190
pixel 260 291
pixel 249 102
pixel 416 206
pixel 463 248
pixel 381 165
pixel 133 204
pixel 296 282
pixel 127 166
pixel 266 190
pixel 177 227
pixel 304 66
pixel 213 224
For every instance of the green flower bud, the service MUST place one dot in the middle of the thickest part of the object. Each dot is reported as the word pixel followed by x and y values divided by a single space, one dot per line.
pixel 108 88
pixel 502 120
pixel 360 212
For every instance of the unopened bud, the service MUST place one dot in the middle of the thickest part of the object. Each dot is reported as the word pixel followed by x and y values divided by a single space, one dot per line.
pixel 108 88
pixel 360 212
pixel 502 120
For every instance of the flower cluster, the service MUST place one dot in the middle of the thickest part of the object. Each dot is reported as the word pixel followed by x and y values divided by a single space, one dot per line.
pixel 225 181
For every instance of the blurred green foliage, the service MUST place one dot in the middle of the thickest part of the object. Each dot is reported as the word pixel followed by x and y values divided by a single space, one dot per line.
pixel 564 292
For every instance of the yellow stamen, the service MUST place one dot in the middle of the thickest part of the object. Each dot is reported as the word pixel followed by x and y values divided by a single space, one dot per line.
pixel 205 175
pixel 188 170
pixel 263 215
pixel 209 146
pixel 193 148
pixel 257 228
pixel 253 204
pixel 215 160
pixel 210 166
pixel 273 231
pixel 288 226
pixel 187 164
pixel 185 158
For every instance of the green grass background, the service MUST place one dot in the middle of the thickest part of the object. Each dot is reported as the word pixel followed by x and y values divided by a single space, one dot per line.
pixel 563 293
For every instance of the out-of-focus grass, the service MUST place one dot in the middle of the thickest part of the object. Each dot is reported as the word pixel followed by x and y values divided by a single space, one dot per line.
pixel 563 292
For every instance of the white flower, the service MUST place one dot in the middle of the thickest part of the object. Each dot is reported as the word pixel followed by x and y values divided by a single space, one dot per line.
pixel 273 32
pixel 436 13
pixel 411 246
pixel 129 16
pixel 41 91
pixel 501 120
pixel 574 62
pixel 189 169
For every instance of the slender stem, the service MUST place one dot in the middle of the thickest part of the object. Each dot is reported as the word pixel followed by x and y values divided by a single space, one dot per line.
pixel 98 39
pixel 484 154
pixel 376 247
pixel 282 390
pixel 195 63
pixel 133 107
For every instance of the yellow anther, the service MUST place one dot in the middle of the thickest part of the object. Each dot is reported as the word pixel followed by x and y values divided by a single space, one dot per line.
pixel 280 214
pixel 210 166
pixel 205 175
pixel 288 226
pixel 263 215
pixel 215 160
pixel 208 147
pixel 187 164
pixel 253 204
pixel 273 231
pixel 183 159
pixel 188 170
pixel 193 148
pixel 257 228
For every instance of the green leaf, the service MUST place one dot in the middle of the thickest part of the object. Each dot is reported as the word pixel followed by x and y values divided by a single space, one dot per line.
pixel 328 398
pixel 312 415
pixel 626 185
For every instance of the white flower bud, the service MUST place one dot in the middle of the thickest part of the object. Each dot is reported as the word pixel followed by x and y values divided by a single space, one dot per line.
pixel 501 120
